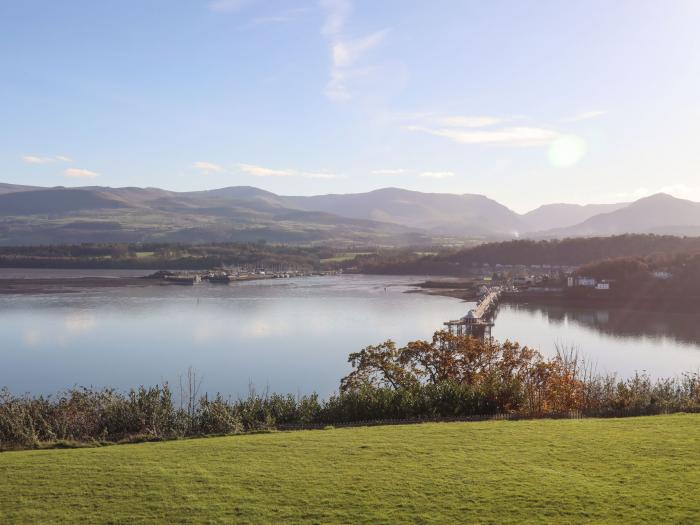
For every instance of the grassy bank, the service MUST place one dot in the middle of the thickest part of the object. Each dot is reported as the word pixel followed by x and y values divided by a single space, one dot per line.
pixel 635 470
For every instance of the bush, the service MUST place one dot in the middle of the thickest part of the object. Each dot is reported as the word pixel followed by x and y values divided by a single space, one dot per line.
pixel 450 377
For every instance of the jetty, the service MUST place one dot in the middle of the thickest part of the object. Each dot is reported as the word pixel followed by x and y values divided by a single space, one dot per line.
pixel 479 320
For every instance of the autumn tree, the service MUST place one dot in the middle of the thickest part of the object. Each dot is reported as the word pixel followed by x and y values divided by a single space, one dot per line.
pixel 447 357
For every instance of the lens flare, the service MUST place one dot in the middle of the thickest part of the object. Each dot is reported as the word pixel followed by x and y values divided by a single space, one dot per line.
pixel 566 151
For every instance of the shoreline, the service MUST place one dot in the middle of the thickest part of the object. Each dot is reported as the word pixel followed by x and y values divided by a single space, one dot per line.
pixel 456 288
pixel 637 304
pixel 61 285
pixel 70 284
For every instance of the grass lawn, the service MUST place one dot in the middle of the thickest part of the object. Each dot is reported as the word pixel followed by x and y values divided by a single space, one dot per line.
pixel 349 256
pixel 635 470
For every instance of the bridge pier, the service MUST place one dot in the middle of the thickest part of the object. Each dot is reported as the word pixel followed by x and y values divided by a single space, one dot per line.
pixel 477 322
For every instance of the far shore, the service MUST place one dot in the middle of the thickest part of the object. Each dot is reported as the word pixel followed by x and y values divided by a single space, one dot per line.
pixel 464 289
pixel 30 285
pixel 455 287
pixel 55 285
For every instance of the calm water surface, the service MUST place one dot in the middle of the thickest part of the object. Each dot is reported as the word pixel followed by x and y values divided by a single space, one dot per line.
pixel 289 335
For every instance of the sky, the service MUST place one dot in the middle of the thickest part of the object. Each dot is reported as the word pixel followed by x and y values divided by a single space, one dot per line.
pixel 525 101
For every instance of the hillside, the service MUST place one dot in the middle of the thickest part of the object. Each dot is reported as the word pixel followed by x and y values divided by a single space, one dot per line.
pixel 634 470
pixel 98 214
pixel 387 217
pixel 54 201
pixel 573 251
pixel 564 215
pixel 462 215
pixel 11 188
pixel 660 213
pixel 384 217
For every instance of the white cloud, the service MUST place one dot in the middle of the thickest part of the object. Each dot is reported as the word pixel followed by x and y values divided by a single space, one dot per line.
pixel 389 172
pixel 478 129
pixel 437 174
pixel 337 12
pixel 345 53
pixel 585 115
pixel 467 122
pixel 513 136
pixel 33 159
pixel 228 6
pixel 285 16
pixel 320 175
pixel 338 87
pixel 208 167
pixel 433 119
pixel 261 171
pixel 80 173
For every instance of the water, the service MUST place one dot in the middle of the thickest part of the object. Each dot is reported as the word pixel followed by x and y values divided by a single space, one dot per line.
pixel 291 335
pixel 616 341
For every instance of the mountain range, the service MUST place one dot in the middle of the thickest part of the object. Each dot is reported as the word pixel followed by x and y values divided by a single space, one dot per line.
pixel 388 216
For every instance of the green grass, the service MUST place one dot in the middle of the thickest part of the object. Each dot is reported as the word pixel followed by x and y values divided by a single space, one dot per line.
pixel 635 470
pixel 343 257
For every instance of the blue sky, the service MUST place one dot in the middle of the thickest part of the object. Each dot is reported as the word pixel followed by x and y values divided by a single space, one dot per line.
pixel 526 102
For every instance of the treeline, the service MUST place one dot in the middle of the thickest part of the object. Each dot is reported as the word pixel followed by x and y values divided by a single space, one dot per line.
pixel 156 256
pixel 448 377
pixel 559 252
pixel 664 279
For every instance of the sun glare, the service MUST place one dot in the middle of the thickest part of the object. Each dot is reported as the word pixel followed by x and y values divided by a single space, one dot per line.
pixel 566 151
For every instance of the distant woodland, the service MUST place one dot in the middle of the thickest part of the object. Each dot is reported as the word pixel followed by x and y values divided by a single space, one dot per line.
pixel 161 256
pixel 572 252
pixel 617 257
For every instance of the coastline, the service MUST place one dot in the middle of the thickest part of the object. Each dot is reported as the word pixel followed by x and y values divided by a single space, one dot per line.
pixel 60 285
pixel 638 303
pixel 30 285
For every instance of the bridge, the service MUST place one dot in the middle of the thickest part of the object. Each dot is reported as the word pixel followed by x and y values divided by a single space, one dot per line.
pixel 477 322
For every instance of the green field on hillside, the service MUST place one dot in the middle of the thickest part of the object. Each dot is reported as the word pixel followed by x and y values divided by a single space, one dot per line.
pixel 635 470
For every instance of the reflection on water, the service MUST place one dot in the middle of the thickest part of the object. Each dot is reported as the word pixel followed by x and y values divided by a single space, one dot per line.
pixel 622 323
pixel 617 340
pixel 289 335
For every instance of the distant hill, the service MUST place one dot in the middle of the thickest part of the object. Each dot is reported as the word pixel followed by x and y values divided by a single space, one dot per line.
pixel 12 188
pixel 386 217
pixel 560 215
pixel 52 201
pixel 461 215
pixel 99 214
pixel 660 213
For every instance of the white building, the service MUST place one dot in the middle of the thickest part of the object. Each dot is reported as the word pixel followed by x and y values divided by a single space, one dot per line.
pixel 589 282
